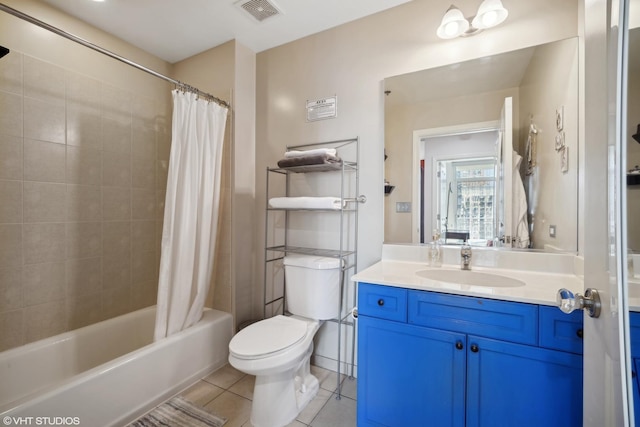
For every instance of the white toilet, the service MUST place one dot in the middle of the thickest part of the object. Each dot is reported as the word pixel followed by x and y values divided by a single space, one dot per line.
pixel 278 350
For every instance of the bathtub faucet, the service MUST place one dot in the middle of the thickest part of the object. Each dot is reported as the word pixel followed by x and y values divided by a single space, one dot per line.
pixel 465 256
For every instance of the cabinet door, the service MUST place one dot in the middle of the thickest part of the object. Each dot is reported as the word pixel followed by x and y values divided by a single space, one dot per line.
pixel 409 376
pixel 518 385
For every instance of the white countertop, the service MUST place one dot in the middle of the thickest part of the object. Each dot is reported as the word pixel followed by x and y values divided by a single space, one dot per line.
pixel 539 288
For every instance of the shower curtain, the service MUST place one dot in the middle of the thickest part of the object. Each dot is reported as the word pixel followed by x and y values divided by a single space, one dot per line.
pixel 191 212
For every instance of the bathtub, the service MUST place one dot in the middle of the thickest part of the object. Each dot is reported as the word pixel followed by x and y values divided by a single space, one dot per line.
pixel 109 373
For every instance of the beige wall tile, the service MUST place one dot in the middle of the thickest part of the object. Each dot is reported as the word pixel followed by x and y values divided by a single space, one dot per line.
pixel 84 276
pixel 143 204
pixel 144 112
pixel 10 157
pixel 10 246
pixel 11 121
pixel 116 169
pixel 143 142
pixel 144 267
pixel 44 202
pixel 83 90
pixel 84 203
pixel 44 161
pixel 144 294
pixel 10 289
pixel 84 310
pixel 44 242
pixel 43 282
pixel 10 201
pixel 84 126
pixel 11 77
pixel 116 135
pixel 143 235
pixel 116 102
pixel 11 329
pixel 117 238
pixel 84 239
pixel 116 301
pixel 44 320
pixel 143 173
pixel 163 142
pixel 116 203
pixel 116 270
pixel 44 81
pixel 84 166
pixel 44 121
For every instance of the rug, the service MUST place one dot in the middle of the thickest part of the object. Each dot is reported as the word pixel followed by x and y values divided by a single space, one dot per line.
pixel 179 412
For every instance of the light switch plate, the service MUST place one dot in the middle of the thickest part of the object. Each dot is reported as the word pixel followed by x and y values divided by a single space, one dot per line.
pixel 552 231
pixel 403 206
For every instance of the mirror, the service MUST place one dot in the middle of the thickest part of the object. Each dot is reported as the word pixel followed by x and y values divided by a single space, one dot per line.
pixel 633 148
pixel 519 108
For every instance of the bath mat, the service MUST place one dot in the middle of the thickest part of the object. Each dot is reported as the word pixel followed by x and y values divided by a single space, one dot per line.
pixel 179 412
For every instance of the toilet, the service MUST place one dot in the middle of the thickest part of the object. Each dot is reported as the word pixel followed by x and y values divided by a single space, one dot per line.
pixel 278 350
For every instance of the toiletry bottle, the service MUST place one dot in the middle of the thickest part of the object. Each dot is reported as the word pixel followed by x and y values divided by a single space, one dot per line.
pixel 435 251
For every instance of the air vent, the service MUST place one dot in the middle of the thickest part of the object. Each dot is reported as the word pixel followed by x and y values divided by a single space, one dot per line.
pixel 259 9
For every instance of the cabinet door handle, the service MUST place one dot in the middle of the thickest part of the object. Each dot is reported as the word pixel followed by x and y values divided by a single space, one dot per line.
pixel 380 302
pixel 459 345
pixel 580 333
pixel 474 348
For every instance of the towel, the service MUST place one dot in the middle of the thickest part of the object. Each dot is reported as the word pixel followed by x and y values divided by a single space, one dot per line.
pixel 315 159
pixel 294 153
pixel 520 232
pixel 305 203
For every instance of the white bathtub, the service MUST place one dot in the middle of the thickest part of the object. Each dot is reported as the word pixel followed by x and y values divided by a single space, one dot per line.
pixel 109 373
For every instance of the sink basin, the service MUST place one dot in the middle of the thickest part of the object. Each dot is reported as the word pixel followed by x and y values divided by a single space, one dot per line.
pixel 473 278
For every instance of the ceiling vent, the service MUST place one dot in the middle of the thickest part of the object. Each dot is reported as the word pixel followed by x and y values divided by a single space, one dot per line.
pixel 259 9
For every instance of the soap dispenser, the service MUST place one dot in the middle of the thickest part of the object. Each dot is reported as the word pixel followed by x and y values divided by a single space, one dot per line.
pixel 435 251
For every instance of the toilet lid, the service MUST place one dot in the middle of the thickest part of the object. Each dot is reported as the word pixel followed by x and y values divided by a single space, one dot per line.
pixel 268 336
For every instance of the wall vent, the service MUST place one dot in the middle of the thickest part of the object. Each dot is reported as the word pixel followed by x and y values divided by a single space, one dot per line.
pixel 259 9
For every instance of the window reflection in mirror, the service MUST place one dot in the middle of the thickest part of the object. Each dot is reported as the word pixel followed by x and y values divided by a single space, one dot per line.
pixel 466 200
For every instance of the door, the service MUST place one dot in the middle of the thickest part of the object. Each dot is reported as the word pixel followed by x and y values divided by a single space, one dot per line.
pixel 606 356
pixel 504 225
pixel 411 376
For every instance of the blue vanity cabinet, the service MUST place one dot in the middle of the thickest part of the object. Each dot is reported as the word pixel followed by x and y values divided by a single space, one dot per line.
pixel 634 335
pixel 464 361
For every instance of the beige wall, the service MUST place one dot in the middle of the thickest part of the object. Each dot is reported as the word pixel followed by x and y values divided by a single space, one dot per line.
pixel 633 147
pixel 84 144
pixel 351 61
pixel 551 81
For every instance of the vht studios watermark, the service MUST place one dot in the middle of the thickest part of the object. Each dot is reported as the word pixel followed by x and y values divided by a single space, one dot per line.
pixel 41 421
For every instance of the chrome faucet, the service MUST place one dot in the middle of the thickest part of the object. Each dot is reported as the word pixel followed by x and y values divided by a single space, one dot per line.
pixel 465 256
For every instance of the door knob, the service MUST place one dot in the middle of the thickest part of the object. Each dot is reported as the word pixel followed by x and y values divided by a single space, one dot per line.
pixel 569 302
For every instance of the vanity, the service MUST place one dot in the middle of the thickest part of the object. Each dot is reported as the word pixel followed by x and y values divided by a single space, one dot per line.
pixel 483 348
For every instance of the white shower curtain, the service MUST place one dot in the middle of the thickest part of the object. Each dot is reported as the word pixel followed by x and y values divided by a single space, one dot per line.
pixel 191 212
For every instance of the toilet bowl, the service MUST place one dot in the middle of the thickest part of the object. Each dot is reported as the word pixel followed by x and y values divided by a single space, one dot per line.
pixel 277 351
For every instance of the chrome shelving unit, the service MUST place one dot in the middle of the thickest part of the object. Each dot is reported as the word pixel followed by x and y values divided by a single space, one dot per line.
pixel 346 251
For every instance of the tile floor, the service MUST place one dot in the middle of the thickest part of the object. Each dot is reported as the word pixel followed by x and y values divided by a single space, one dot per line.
pixel 228 392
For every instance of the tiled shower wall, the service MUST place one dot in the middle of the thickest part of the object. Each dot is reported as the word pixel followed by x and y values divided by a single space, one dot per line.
pixel 82 180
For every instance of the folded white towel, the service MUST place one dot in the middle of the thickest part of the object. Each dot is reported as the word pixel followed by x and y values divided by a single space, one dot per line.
pixel 305 203
pixel 315 151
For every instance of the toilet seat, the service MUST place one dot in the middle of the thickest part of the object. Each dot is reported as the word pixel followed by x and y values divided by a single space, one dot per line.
pixel 268 337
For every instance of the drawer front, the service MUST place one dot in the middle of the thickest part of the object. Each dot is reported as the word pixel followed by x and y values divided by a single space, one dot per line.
pixel 560 331
pixel 384 302
pixel 504 320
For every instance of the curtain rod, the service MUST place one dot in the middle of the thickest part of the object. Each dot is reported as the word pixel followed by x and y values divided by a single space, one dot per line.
pixel 104 51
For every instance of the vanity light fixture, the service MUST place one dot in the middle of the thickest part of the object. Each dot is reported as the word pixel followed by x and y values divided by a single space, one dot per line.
pixel 454 24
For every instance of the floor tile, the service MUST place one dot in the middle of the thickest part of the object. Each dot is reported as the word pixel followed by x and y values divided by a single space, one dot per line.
pixel 236 409
pixel 336 413
pixel 202 393
pixel 224 377
pixel 244 387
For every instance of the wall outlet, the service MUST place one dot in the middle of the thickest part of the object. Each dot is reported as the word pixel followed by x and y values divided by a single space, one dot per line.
pixel 403 206
pixel 552 231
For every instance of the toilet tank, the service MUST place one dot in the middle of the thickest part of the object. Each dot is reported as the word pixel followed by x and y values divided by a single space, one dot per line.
pixel 312 286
